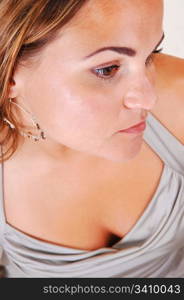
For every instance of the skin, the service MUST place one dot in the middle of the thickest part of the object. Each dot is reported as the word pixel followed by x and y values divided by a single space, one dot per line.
pixel 86 168
pixel 170 89
pixel 79 110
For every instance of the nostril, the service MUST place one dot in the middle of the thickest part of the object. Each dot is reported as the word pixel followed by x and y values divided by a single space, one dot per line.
pixel 144 98
pixel 134 100
pixel 133 103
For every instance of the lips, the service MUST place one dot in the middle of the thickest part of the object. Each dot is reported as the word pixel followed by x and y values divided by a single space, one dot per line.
pixel 137 128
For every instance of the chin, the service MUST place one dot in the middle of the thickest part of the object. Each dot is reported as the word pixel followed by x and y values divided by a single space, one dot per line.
pixel 123 154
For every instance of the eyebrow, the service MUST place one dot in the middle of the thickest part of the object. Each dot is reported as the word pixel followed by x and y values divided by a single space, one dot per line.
pixel 121 50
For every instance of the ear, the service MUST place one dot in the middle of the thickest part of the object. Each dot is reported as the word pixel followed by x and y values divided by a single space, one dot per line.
pixel 16 84
pixel 12 89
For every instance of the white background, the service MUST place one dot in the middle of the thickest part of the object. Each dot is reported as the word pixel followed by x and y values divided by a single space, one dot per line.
pixel 174 27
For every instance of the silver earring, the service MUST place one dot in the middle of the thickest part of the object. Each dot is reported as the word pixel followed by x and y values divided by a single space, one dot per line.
pixel 41 134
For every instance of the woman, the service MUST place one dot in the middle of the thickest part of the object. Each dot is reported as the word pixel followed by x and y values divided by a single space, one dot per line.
pixel 82 194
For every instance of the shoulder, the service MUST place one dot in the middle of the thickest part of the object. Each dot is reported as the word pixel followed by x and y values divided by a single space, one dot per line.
pixel 169 73
pixel 169 108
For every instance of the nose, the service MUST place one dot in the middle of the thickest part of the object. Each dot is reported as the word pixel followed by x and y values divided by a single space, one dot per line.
pixel 141 94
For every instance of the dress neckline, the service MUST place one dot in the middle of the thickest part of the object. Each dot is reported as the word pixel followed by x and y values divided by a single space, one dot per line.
pixel 49 244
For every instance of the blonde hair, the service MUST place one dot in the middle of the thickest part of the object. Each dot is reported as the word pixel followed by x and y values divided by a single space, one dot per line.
pixel 26 27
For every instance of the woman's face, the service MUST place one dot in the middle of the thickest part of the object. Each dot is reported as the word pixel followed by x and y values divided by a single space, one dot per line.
pixel 82 94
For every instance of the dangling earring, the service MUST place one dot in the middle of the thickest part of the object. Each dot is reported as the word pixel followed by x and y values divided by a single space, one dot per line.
pixel 41 134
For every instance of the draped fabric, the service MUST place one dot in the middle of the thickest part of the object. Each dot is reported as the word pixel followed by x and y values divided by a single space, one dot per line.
pixel 154 247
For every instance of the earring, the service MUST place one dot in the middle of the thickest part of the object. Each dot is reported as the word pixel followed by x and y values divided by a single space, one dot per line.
pixel 41 134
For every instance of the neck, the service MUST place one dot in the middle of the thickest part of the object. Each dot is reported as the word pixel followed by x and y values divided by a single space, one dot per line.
pixel 52 154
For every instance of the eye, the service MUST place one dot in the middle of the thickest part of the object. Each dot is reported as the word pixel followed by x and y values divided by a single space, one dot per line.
pixel 150 57
pixel 106 72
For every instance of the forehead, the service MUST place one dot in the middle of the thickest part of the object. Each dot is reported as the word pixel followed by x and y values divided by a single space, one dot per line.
pixel 101 23
pixel 101 17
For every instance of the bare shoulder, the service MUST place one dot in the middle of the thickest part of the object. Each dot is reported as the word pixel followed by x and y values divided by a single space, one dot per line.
pixel 169 108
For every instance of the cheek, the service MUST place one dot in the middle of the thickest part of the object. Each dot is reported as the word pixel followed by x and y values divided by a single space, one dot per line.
pixel 76 108
pixel 84 112
pixel 69 107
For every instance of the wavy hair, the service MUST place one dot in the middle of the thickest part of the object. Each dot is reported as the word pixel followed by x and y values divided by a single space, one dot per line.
pixel 26 27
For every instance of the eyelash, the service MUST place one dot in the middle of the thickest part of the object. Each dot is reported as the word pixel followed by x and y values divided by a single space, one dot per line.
pixel 116 67
pixel 150 58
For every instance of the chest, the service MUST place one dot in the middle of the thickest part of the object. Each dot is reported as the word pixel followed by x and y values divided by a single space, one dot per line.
pixel 85 212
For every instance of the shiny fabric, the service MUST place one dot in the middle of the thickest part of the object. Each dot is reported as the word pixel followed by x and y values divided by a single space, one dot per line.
pixel 154 247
